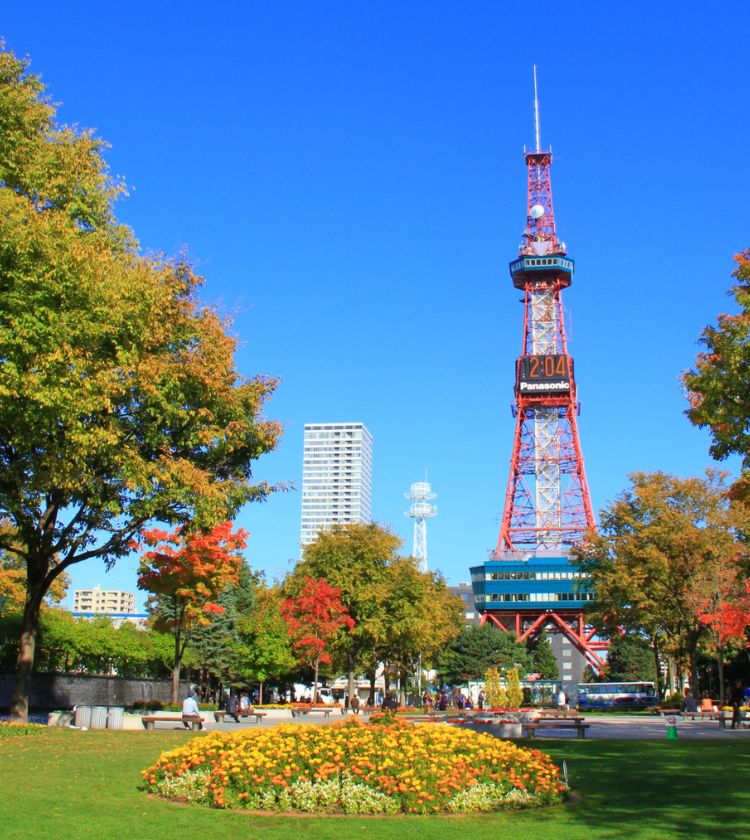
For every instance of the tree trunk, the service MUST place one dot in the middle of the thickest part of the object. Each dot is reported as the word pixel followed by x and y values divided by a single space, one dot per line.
pixel 19 710
pixel 694 669
pixel 720 658
pixel 657 668
pixel 175 683
pixel 371 698
pixel 315 682
pixel 260 693
pixel 36 568
pixel 350 687
pixel 404 678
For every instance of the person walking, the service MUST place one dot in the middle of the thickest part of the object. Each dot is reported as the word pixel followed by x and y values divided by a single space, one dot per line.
pixel 736 698
pixel 561 700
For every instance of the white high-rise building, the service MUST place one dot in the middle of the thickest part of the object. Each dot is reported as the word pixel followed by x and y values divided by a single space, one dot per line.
pixel 336 477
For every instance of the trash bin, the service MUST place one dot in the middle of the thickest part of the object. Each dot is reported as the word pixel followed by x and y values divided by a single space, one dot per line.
pixel 83 717
pixel 114 717
pixel 98 717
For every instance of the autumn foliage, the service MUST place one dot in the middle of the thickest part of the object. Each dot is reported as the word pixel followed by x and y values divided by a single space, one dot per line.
pixel 314 618
pixel 186 572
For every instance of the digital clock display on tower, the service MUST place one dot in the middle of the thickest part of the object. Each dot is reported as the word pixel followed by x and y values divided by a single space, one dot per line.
pixel 550 374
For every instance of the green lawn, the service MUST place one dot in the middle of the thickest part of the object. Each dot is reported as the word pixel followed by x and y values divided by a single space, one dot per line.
pixel 79 785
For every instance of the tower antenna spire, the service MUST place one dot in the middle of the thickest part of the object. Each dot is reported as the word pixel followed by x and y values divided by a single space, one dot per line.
pixel 536 115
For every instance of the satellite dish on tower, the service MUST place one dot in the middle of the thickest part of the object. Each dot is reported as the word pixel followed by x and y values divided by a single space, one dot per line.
pixel 537 211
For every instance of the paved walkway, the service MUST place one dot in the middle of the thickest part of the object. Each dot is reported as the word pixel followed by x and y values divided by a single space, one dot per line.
pixel 600 727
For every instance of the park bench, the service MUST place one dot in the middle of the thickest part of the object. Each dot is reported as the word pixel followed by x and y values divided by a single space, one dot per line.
pixel 701 715
pixel 557 722
pixel 303 709
pixel 243 713
pixel 195 721
pixel 554 714
pixel 725 719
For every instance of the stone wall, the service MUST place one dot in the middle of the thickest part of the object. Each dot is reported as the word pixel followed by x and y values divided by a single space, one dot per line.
pixel 63 691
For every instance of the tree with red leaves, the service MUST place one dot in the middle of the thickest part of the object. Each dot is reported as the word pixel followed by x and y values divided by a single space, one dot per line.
pixel 315 616
pixel 186 572
pixel 722 604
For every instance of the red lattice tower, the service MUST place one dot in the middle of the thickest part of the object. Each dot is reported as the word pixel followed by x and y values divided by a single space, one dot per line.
pixel 547 501
pixel 529 583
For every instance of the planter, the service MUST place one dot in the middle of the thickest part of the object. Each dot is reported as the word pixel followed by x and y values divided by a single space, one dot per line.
pixel 59 718
pixel 510 730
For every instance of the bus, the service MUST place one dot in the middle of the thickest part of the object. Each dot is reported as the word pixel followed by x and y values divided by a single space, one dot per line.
pixel 617 695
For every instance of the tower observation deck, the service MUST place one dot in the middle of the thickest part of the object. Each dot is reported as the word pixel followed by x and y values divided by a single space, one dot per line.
pixel 528 583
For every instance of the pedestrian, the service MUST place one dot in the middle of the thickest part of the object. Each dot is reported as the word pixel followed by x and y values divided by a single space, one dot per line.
pixel 480 700
pixel 561 704
pixel 190 710
pixel 389 703
pixel 736 698
pixel 354 704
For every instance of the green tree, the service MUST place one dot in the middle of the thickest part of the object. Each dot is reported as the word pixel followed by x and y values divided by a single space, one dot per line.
pixel 654 542
pixel 630 658
pixel 265 650
pixel 217 647
pixel 421 617
pixel 119 399
pixel 476 649
pixel 719 385
pixel 543 658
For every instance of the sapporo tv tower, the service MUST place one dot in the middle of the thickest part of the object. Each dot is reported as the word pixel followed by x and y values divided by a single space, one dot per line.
pixel 528 584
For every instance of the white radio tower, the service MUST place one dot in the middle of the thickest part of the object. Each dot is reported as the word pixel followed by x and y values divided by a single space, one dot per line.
pixel 420 511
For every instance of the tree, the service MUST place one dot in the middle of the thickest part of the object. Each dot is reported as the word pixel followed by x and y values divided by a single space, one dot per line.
pixel 314 618
pixel 217 646
pixel 356 559
pixel 265 649
pixel 476 649
pixel 719 385
pixel 543 658
pixel 514 690
pixel 654 541
pixel 493 691
pixel 187 572
pixel 720 597
pixel 630 658
pixel 13 577
pixel 119 401
pixel 421 617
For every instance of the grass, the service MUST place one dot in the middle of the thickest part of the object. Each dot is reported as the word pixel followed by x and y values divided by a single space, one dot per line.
pixel 83 785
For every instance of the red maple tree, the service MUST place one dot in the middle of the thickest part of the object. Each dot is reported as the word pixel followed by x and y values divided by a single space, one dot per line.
pixel 186 572
pixel 314 618
pixel 721 601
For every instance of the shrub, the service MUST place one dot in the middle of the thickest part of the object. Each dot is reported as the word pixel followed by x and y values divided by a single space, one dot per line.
pixel 9 730
pixel 352 767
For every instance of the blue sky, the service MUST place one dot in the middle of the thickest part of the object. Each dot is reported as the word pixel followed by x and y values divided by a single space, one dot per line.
pixel 349 179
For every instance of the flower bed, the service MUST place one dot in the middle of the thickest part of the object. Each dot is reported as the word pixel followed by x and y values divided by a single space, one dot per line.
pixel 14 729
pixel 356 768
